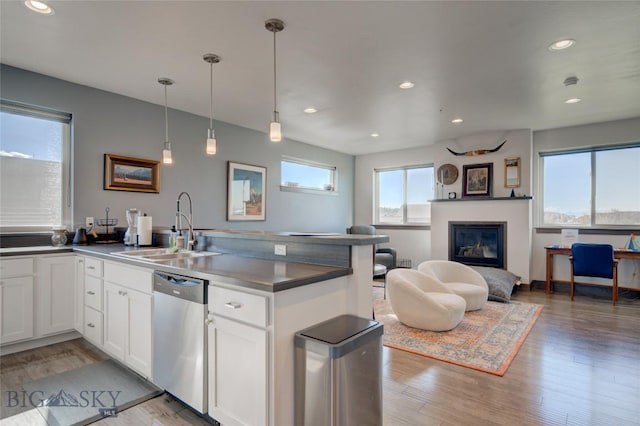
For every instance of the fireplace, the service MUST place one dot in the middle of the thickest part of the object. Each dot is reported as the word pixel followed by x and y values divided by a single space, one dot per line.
pixel 478 243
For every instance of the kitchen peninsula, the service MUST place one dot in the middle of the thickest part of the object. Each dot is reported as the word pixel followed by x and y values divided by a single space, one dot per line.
pixel 251 350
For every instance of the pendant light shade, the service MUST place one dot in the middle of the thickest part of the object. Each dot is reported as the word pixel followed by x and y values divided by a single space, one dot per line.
pixel 166 151
pixel 211 147
pixel 275 130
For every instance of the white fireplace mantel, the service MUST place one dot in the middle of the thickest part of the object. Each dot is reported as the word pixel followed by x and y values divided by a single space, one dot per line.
pixel 516 212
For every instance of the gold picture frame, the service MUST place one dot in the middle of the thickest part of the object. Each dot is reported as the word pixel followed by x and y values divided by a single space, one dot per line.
pixel 131 174
pixel 512 172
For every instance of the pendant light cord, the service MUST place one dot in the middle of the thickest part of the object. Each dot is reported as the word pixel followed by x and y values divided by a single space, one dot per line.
pixel 275 109
pixel 166 119
pixel 211 98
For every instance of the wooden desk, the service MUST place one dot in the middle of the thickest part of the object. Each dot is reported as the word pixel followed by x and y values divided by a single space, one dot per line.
pixel 566 251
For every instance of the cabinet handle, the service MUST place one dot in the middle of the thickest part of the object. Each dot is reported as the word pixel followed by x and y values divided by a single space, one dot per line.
pixel 233 305
pixel 91 325
pixel 91 292
pixel 91 267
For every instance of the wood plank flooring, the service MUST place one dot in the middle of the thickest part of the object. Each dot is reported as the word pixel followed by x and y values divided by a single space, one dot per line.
pixel 580 365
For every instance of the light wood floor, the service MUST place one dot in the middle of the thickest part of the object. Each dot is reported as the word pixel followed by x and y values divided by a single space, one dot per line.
pixel 580 365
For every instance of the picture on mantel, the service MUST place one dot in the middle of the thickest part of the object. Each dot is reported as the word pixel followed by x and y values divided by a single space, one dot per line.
pixel 477 180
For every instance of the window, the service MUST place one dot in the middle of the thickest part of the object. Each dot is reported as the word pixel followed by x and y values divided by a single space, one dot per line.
pixel 301 174
pixel 402 195
pixel 597 187
pixel 34 168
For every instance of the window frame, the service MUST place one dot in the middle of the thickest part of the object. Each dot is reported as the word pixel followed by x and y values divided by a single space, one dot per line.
pixel 592 208
pixel 376 200
pixel 333 170
pixel 17 108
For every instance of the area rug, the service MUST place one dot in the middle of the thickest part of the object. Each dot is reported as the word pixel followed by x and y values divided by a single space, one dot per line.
pixel 88 393
pixel 486 340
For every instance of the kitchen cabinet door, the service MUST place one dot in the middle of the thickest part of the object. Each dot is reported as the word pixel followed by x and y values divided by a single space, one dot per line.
pixel 237 358
pixel 16 299
pixel 55 289
pixel 139 332
pixel 127 326
pixel 115 319
pixel 16 302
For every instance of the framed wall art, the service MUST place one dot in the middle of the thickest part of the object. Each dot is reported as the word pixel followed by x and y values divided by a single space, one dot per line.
pixel 131 174
pixel 512 172
pixel 246 185
pixel 476 180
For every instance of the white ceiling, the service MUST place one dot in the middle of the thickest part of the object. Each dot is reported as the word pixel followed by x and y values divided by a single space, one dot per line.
pixel 487 62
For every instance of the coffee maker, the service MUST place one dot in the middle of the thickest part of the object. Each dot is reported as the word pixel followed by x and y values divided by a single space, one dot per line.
pixel 131 235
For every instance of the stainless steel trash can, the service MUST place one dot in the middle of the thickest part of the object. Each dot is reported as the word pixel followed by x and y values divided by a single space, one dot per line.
pixel 338 369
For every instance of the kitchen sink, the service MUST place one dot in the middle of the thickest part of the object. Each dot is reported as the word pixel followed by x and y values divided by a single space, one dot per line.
pixel 163 254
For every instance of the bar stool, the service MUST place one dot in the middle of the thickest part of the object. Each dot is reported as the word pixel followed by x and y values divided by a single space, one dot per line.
pixel 380 270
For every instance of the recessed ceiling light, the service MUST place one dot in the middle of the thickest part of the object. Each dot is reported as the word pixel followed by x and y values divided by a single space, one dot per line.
pixel 40 7
pixel 572 101
pixel 457 120
pixel 375 135
pixel 406 85
pixel 562 44
pixel 310 110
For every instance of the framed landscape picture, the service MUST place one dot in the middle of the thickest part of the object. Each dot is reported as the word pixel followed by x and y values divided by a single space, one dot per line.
pixel 131 174
pixel 246 186
pixel 477 180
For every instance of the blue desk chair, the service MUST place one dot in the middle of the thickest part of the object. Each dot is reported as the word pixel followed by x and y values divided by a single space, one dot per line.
pixel 594 260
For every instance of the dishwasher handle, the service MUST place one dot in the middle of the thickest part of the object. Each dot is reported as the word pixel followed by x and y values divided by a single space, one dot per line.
pixel 182 287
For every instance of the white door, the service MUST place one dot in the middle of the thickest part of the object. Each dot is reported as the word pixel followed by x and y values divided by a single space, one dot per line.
pixel 55 294
pixel 16 304
pixel 138 347
pixel 237 357
pixel 115 319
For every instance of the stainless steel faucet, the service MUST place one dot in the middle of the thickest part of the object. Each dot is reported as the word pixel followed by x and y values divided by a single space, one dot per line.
pixel 190 240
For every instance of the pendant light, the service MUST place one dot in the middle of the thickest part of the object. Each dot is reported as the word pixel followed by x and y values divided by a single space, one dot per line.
pixel 166 152
pixel 211 147
pixel 275 131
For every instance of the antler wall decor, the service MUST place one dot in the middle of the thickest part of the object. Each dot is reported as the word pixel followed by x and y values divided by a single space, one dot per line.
pixel 478 151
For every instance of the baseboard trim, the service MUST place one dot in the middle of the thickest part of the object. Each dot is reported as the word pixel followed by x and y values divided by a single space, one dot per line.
pixel 37 343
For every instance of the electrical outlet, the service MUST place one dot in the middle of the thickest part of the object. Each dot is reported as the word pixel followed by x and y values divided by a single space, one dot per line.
pixel 280 250
pixel 88 221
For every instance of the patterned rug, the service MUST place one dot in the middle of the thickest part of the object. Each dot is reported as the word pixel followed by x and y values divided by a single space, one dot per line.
pixel 486 340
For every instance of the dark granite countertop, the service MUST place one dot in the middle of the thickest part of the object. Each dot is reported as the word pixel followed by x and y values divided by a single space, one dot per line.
pixel 259 274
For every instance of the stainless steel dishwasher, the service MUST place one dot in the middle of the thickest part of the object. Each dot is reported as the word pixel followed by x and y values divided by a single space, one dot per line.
pixel 180 337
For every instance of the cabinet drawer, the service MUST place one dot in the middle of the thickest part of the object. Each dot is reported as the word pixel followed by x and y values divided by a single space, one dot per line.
pixel 129 276
pixel 249 308
pixel 16 267
pixel 93 267
pixel 93 325
pixel 93 293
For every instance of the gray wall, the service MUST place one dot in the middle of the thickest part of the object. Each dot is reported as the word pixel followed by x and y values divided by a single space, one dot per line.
pixel 105 122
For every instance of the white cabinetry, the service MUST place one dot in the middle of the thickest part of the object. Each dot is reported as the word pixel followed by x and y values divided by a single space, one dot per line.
pixel 128 315
pixel 238 356
pixel 16 299
pixel 93 300
pixel 78 295
pixel 55 294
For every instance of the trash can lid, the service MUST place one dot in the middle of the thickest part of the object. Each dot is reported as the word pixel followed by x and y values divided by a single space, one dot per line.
pixel 338 329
